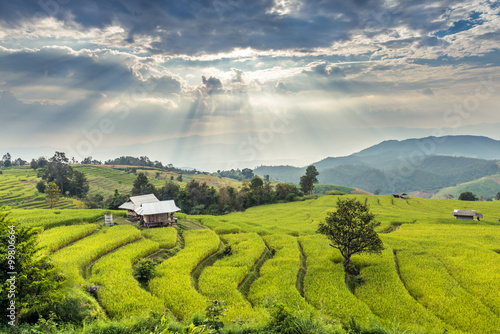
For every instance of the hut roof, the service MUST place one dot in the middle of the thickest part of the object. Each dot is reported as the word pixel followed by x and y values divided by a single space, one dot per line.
pixel 467 213
pixel 135 201
pixel 157 208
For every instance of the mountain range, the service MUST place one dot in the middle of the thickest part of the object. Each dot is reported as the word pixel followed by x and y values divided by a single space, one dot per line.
pixel 413 165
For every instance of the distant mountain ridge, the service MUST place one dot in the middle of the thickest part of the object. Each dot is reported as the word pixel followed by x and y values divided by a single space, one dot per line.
pixel 420 164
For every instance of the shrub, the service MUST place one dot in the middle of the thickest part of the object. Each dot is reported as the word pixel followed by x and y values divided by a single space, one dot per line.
pixel 467 196
pixel 144 271
pixel 228 250
pixel 40 186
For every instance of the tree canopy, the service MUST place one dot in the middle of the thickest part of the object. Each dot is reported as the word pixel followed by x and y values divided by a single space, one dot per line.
pixel 58 171
pixel 467 196
pixel 142 186
pixel 308 180
pixel 351 230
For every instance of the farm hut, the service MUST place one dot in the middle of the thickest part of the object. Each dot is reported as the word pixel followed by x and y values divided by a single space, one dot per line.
pixel 466 214
pixel 135 202
pixel 158 213
pixel 400 195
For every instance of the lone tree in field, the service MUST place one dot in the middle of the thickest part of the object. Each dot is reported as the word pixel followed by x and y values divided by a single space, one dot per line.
pixel 53 193
pixel 308 180
pixel 351 229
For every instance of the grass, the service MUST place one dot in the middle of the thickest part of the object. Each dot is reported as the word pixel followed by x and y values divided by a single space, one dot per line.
pixel 487 186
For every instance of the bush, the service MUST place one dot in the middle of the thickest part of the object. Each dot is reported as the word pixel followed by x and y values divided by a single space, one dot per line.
pixel 144 271
pixel 467 196
pixel 78 306
pixel 40 186
pixel 228 250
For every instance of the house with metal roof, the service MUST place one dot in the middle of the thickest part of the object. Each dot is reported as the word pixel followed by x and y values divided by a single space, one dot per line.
pixel 135 202
pixel 158 213
pixel 467 214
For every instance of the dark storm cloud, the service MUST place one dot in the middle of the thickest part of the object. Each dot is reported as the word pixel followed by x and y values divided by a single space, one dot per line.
pixel 193 27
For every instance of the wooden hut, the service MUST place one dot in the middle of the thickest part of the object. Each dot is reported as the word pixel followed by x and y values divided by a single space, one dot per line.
pixel 467 214
pixel 158 213
pixel 135 202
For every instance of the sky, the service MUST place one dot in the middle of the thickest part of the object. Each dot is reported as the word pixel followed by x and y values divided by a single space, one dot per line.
pixel 222 84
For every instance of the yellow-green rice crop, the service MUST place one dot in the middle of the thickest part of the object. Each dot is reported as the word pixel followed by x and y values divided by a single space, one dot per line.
pixel 173 283
pixel 73 259
pixel 300 218
pixel 429 281
pixel 387 297
pixel 278 276
pixel 52 218
pixel 220 226
pixel 59 237
pixel 221 280
pixel 121 294
pixel 166 237
pixel 324 283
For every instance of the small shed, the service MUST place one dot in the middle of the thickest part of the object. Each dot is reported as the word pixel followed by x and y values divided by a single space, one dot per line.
pixel 158 213
pixel 467 214
pixel 135 202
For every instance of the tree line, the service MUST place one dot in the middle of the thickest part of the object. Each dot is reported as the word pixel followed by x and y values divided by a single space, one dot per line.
pixel 200 198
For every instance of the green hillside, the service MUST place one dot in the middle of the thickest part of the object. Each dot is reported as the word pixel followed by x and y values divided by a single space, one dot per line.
pixel 487 186
pixel 17 190
pixel 17 184
pixel 436 273
pixel 104 179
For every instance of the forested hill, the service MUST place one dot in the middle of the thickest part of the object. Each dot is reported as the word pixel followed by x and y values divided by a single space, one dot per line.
pixel 426 164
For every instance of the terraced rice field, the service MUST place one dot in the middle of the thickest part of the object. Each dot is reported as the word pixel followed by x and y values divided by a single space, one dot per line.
pixel 435 274
pixel 18 190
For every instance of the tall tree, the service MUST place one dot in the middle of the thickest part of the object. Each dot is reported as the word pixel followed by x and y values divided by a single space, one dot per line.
pixel 53 193
pixel 308 180
pixel 59 157
pixel 142 186
pixel 58 171
pixel 351 230
pixel 79 185
pixel 247 173
pixel 34 164
pixel 7 160
pixel 42 162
